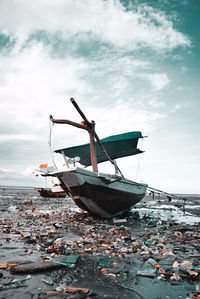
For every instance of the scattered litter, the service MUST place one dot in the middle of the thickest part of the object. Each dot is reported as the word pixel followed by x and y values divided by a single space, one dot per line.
pixel 20 280
pixel 178 234
pixel 68 261
pixel 175 264
pixel 3 266
pixel 30 251
pixel 145 273
pixel 61 289
pixel 186 265
pixel 47 282
pixel 133 248
pixel 72 290
pixel 12 209
pixel 119 220
pixel 103 262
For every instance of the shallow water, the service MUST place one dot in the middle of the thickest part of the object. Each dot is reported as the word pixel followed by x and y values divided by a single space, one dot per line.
pixel 167 213
pixel 179 211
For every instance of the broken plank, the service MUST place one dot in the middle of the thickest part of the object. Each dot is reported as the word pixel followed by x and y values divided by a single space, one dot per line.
pixel 35 267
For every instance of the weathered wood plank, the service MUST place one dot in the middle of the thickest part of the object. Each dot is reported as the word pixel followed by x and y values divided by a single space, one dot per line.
pixel 35 267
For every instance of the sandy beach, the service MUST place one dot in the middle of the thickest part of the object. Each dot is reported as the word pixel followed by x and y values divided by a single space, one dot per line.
pixel 49 248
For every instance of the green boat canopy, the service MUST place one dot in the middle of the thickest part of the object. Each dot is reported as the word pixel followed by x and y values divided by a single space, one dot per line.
pixel 117 146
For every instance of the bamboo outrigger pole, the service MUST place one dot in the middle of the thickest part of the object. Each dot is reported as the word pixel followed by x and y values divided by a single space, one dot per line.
pixel 88 126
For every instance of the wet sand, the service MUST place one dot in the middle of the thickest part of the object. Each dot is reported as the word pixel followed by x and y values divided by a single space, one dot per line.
pixel 151 253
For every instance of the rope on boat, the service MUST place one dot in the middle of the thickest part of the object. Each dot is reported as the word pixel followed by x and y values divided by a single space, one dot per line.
pixel 49 143
pixel 168 195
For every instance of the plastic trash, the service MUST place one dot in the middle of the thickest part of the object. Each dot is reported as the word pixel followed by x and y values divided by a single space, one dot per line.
pixel 151 261
pixel 103 262
pixel 61 289
pixel 186 264
pixel 3 266
pixel 72 290
pixel 59 241
pixel 48 282
pixel 146 273
pixel 178 234
pixel 175 264
pixel 119 220
pixel 68 261
pixel 21 280
pixel 175 277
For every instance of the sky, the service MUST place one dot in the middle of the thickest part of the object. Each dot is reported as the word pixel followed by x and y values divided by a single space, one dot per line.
pixel 130 65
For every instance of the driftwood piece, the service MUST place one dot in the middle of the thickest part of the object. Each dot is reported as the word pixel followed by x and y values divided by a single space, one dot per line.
pixel 77 290
pixel 35 267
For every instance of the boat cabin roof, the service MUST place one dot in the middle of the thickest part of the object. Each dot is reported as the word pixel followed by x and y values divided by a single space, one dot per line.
pixel 117 146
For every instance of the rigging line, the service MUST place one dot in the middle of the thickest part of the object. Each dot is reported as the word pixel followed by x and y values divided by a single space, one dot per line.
pixel 166 193
pixel 139 160
pixel 49 143
pixel 106 154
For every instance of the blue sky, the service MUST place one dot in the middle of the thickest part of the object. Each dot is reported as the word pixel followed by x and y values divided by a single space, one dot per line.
pixel 131 65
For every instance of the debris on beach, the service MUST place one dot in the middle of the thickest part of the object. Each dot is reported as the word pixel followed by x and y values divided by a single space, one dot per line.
pixel 71 246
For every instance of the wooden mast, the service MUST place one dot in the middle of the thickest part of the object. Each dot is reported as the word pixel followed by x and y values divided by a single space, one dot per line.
pixel 90 128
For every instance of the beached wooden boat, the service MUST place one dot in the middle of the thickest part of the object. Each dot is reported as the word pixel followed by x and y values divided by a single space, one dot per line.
pixel 100 194
pixel 47 192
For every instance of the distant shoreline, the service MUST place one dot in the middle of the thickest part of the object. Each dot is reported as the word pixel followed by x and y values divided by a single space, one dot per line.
pixel 32 188
pixel 16 187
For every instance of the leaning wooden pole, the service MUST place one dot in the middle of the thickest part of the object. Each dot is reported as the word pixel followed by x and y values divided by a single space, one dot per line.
pixel 91 130
pixel 92 148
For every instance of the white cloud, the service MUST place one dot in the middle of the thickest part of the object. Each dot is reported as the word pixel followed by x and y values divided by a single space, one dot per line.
pixel 5 170
pixel 122 118
pixel 157 80
pixel 179 106
pixel 154 102
pixel 29 171
pixel 105 20
pixel 30 80
pixel 15 137
pixel 180 88
pixel 184 69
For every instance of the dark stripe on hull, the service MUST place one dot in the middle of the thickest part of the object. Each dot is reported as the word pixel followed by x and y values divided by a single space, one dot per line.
pixel 103 201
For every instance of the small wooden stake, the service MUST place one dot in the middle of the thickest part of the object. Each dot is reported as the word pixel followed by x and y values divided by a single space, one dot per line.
pixel 65 159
